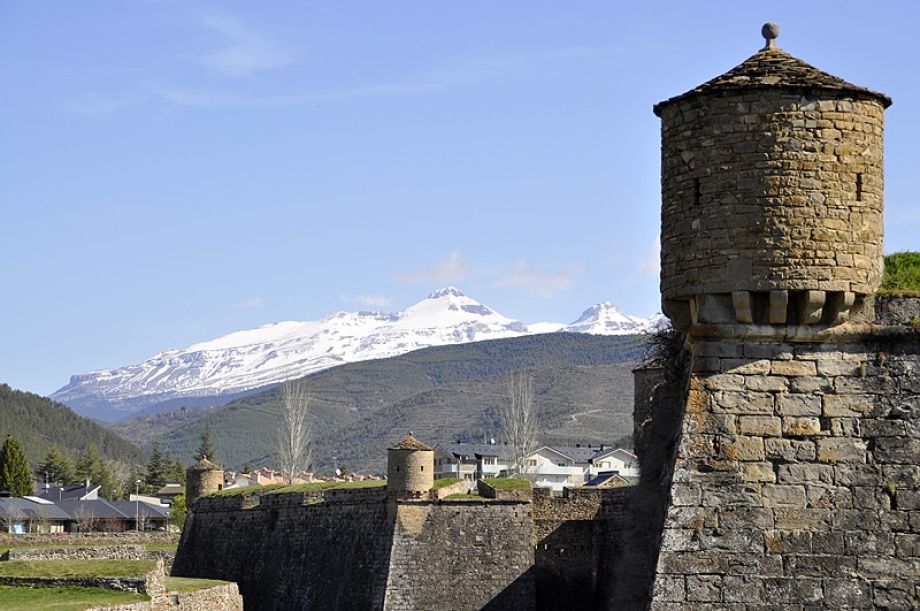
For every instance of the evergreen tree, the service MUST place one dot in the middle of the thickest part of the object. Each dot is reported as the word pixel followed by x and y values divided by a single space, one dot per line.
pixel 156 468
pixel 89 465
pixel 206 448
pixel 175 472
pixel 55 468
pixel 15 474
pixel 109 486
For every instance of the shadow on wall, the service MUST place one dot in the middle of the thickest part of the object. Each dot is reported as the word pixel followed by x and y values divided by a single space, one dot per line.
pixel 519 591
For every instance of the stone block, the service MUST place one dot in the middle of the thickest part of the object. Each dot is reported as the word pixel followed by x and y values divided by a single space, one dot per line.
pixel 742 589
pixel 670 588
pixel 793 368
pixel 847 405
pixel 788 541
pixel 797 426
pixel 841 449
pixel 792 590
pixel 797 473
pixel 838 368
pixel 779 302
pixel 783 495
pixel 746 366
pixel 790 450
pixel 704 588
pixel 766 383
pixel 743 447
pixel 770 351
pixel 811 384
pixel 762 426
pixel 746 402
pixel 758 472
pixel 798 405
pixel 724 381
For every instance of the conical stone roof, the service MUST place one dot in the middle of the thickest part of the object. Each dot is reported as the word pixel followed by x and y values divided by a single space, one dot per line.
pixel 205 465
pixel 411 443
pixel 773 68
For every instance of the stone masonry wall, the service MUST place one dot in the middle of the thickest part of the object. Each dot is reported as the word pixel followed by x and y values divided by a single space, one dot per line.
pixel 771 189
pixel 576 539
pixel 355 550
pixel 332 555
pixel 796 484
pixel 461 555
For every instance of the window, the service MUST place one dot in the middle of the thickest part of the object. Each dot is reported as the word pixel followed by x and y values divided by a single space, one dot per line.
pixel 531 462
pixel 422 467
pixel 488 461
pixel 859 187
pixel 697 193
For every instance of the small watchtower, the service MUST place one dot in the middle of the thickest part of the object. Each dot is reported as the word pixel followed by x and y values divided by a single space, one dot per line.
pixel 410 469
pixel 771 195
pixel 201 479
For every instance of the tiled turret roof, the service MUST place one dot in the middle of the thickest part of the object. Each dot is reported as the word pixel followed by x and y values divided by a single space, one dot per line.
pixel 774 68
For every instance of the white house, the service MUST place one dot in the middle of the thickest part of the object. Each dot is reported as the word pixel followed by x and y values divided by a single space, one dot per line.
pixel 551 468
pixel 620 461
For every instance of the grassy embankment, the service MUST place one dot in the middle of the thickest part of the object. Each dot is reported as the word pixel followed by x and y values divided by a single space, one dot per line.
pixel 62 598
pixel 499 483
pixel 309 487
pixel 902 275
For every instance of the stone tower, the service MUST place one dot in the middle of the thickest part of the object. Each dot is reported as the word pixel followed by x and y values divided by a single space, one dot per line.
pixel 771 195
pixel 792 465
pixel 201 479
pixel 410 469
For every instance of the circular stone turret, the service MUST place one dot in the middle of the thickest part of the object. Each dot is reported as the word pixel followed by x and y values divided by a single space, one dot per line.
pixel 410 469
pixel 201 479
pixel 771 195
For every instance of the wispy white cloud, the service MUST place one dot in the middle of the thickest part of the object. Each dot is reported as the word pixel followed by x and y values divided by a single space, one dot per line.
pixel 541 283
pixel 448 76
pixel 243 51
pixel 450 270
pixel 372 300
pixel 251 303
pixel 651 264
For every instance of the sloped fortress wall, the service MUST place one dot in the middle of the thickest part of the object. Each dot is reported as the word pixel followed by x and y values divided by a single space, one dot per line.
pixel 796 480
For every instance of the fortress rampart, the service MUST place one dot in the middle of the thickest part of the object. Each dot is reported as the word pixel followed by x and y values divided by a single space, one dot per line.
pixel 361 549
pixel 778 434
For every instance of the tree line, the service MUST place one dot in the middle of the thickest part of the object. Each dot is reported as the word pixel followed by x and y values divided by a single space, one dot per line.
pixel 115 481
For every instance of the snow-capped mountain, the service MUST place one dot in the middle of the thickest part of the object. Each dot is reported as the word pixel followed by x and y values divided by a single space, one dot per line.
pixel 224 367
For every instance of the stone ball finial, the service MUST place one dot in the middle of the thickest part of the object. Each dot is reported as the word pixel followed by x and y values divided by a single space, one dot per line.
pixel 770 32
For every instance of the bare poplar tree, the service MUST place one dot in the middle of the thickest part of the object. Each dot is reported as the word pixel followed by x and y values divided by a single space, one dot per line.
pixel 518 417
pixel 295 433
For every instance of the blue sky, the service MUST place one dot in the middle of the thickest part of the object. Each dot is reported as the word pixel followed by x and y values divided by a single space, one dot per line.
pixel 173 170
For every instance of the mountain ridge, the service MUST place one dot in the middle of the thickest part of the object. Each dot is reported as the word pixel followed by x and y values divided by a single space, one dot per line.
pixel 219 370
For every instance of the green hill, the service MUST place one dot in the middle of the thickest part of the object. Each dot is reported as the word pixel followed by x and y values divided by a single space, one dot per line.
pixel 582 385
pixel 39 423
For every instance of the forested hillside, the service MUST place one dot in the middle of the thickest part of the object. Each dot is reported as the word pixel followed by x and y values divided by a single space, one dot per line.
pixel 39 423
pixel 582 384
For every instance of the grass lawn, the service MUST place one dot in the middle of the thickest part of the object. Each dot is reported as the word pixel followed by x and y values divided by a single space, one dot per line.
pixel 245 490
pixel 62 599
pixel 76 568
pixel 312 486
pixel 444 482
pixel 508 483
pixel 161 547
pixel 190 584
pixel 464 497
